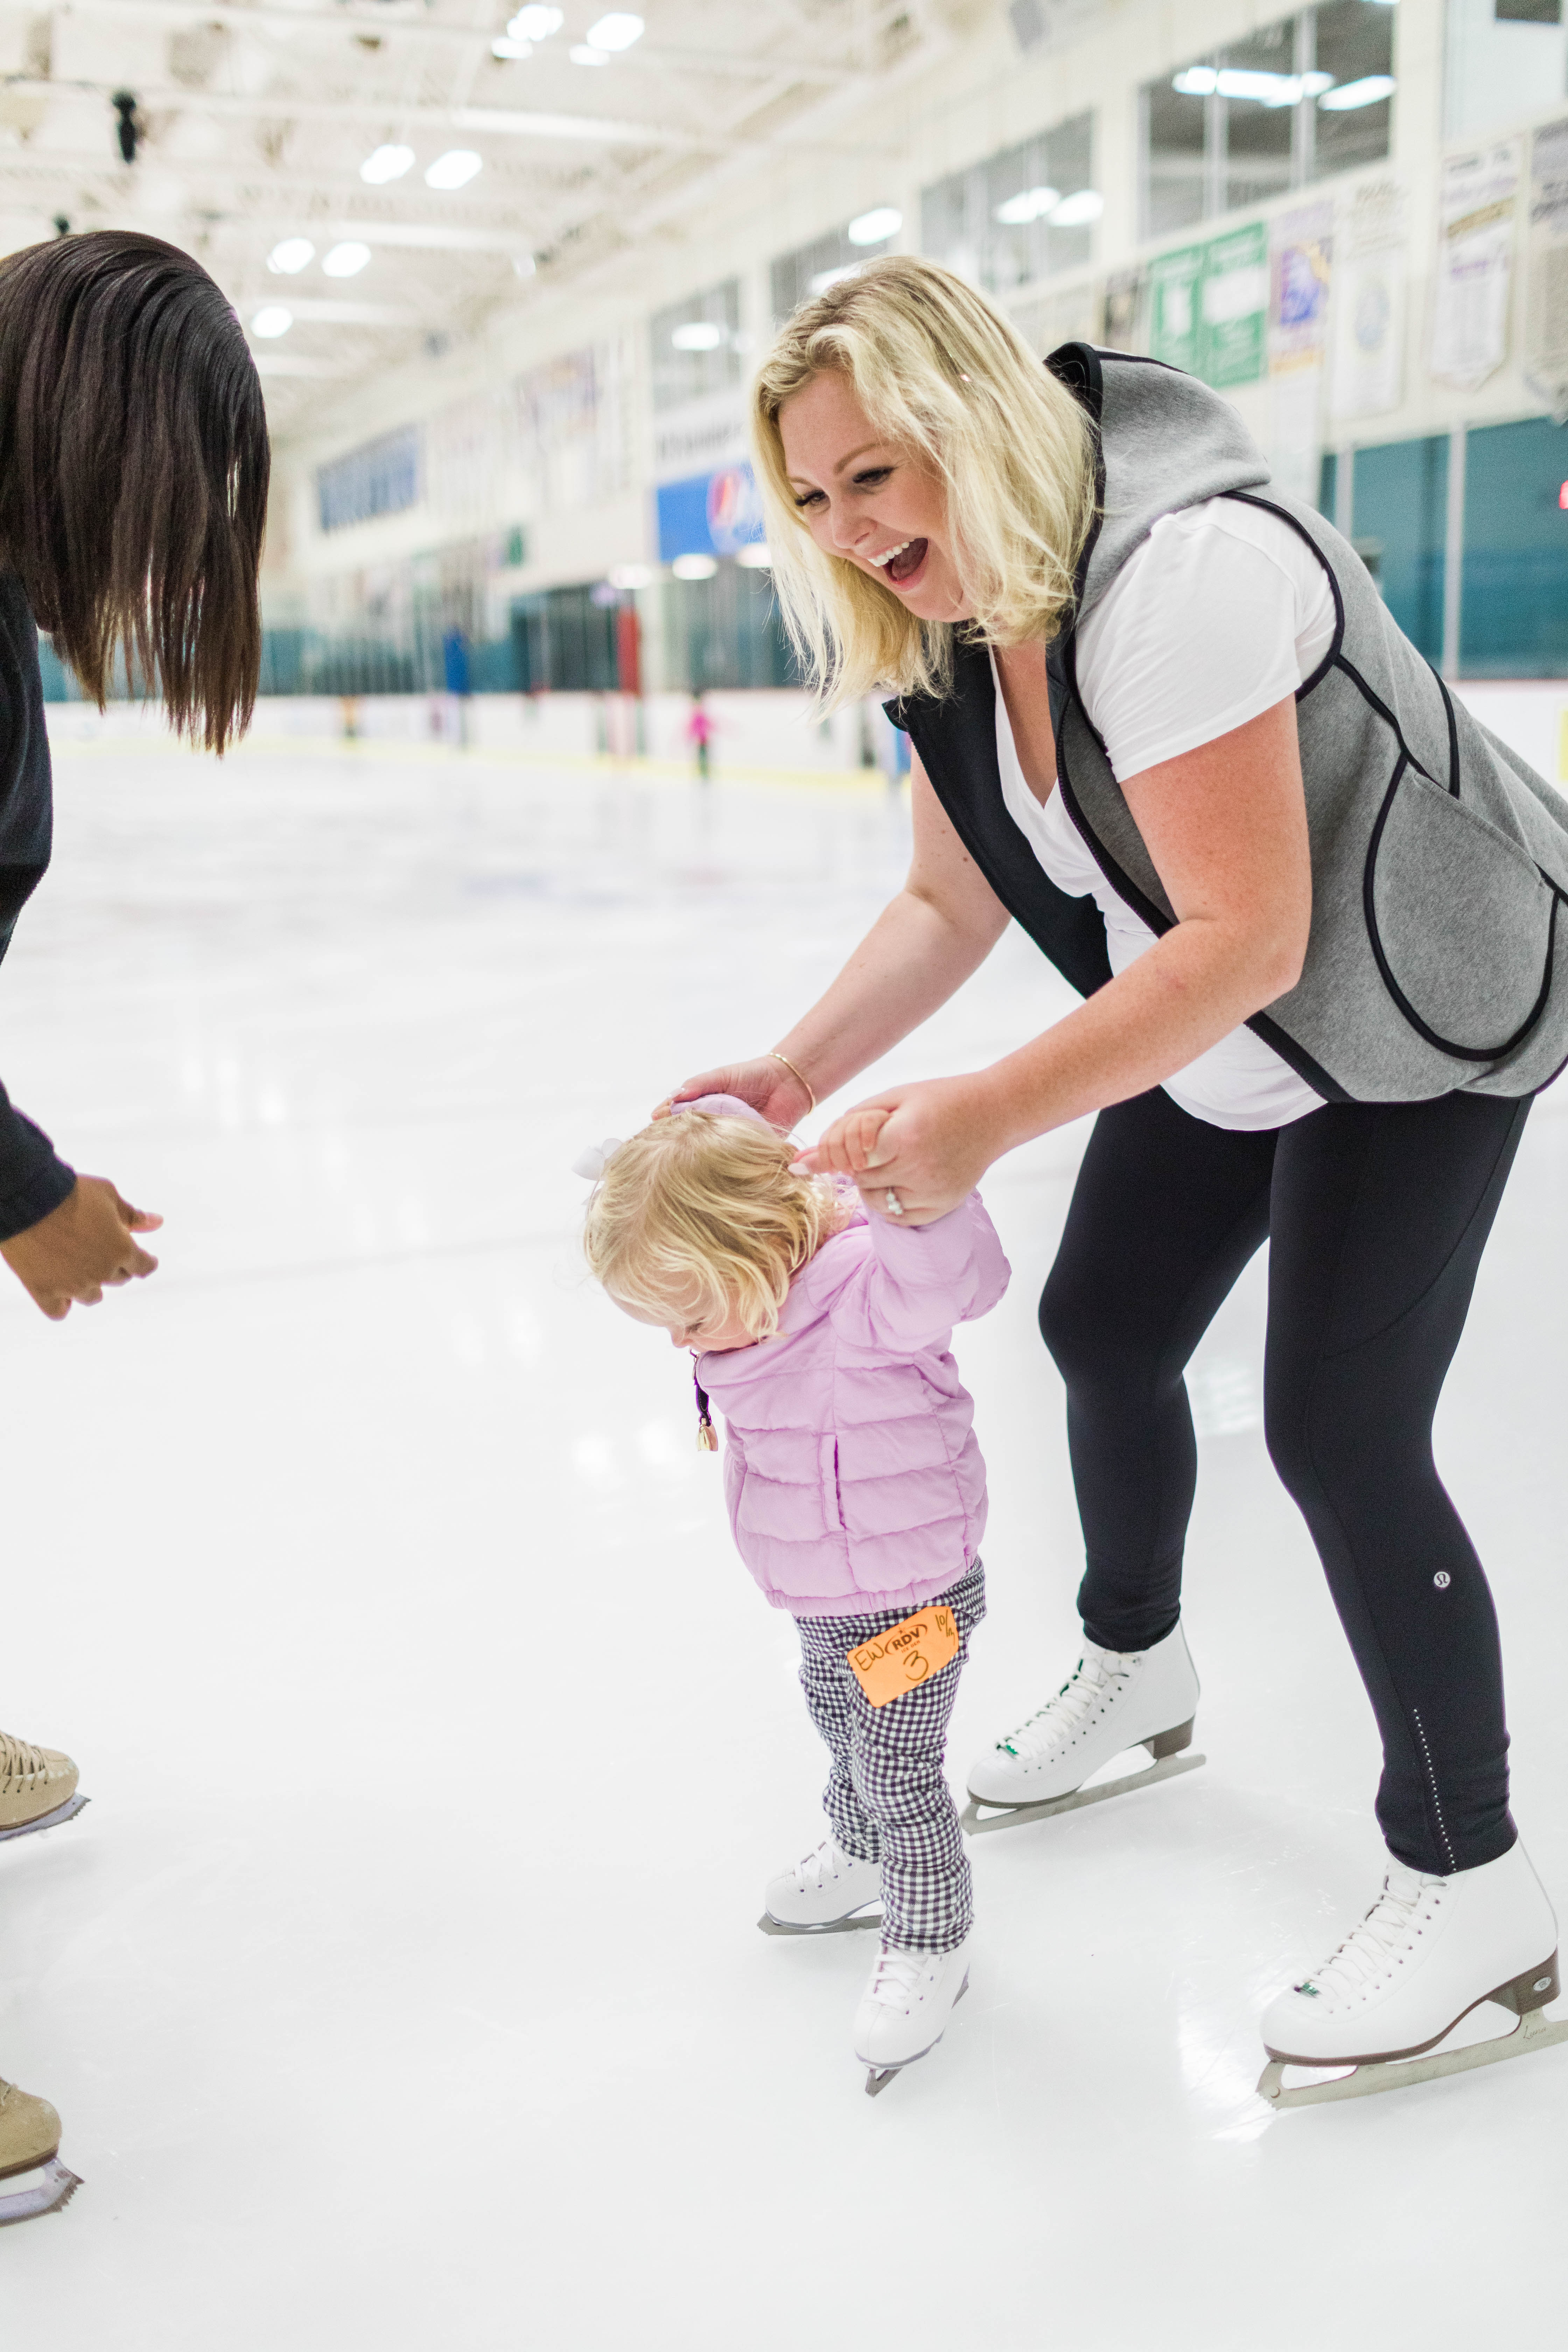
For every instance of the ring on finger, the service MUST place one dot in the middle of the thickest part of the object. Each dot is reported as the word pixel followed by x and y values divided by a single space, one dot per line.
pixel 895 1207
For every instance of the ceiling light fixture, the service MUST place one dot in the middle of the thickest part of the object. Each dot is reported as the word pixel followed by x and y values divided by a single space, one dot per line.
pixel 873 227
pixel 294 253
pixel 1261 88
pixel 1029 205
pixel 535 22
pixel 504 46
pixel 631 576
pixel 387 163
pixel 524 264
pixel 756 556
pixel 346 260
pixel 1351 94
pixel 694 567
pixel 454 169
pixel 272 321
pixel 1076 210
pixel 697 335
pixel 616 31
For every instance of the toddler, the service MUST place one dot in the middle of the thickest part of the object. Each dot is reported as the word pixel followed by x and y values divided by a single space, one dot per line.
pixel 856 1494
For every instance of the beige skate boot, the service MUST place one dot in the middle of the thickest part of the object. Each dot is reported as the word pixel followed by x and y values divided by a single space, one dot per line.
pixel 37 1788
pixel 33 2181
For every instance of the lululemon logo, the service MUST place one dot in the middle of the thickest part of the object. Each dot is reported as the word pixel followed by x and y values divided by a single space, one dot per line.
pixel 1442 1580
pixel 1541 1984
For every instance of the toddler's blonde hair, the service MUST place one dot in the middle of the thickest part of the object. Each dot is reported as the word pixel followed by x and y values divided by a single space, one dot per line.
pixel 944 372
pixel 699 1217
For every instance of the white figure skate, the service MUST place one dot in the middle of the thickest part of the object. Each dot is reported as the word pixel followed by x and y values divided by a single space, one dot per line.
pixel 823 1894
pixel 1428 1952
pixel 904 2009
pixel 33 2181
pixel 1113 1700
pixel 38 1789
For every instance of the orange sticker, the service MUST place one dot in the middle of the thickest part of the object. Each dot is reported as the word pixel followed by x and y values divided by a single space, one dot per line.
pixel 906 1655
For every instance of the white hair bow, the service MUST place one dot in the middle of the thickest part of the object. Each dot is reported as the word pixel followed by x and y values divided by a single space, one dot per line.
pixel 592 1162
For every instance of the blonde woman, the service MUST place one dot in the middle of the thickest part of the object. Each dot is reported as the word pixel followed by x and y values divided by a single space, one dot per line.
pixel 1161 719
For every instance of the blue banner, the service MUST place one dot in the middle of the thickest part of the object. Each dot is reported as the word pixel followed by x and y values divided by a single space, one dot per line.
pixel 709 514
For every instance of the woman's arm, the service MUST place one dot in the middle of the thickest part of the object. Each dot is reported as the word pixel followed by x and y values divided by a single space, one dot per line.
pixel 1227 828
pixel 941 928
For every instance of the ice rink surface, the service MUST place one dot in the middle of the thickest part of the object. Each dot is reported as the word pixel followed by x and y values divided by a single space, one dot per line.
pixel 401 1985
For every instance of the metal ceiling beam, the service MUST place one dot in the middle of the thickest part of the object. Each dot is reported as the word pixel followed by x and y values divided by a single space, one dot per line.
pixel 502 122
pixel 363 25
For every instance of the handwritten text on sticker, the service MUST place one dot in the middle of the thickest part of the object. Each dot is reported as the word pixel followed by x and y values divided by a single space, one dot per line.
pixel 906 1653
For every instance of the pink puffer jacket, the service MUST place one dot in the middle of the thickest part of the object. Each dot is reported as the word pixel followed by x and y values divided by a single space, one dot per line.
pixel 852 1473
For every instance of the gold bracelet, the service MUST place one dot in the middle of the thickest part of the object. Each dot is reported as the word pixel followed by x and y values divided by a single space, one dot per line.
pixel 774 1055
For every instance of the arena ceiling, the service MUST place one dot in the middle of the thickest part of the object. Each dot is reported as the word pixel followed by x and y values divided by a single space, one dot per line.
pixel 514 146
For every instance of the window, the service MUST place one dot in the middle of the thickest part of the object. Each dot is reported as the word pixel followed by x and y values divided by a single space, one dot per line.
pixel 381 478
pixel 697 345
pixel 1506 59
pixel 811 269
pixel 1023 215
pixel 1295 101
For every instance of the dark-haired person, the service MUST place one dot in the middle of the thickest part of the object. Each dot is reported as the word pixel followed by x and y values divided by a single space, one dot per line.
pixel 1163 720
pixel 134 471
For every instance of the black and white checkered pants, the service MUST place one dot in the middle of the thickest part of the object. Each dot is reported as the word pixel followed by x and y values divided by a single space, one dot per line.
pixel 888 1800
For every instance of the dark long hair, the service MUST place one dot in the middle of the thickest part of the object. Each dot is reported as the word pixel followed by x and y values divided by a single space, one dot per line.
pixel 133 470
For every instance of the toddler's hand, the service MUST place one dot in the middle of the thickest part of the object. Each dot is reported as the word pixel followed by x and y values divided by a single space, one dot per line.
pixel 849 1146
pixel 930 1143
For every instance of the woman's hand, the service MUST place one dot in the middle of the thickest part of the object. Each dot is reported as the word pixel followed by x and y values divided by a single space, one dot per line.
pixel 86 1245
pixel 931 1143
pixel 764 1083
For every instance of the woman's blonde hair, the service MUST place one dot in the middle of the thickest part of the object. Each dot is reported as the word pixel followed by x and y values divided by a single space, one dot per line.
pixel 699 1217
pixel 941 371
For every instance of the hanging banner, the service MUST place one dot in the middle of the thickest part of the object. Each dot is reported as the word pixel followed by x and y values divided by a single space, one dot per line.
pixel 1209 307
pixel 1367 377
pixel 1301 249
pixel 1300 246
pixel 1475 261
pixel 1546 278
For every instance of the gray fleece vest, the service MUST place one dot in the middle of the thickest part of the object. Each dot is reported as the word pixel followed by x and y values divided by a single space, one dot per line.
pixel 1440 859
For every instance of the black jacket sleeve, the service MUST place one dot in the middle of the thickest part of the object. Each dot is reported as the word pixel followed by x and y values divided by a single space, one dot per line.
pixel 33 1179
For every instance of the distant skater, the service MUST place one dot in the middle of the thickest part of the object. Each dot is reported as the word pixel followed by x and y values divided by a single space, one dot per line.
pixel 857 1496
pixel 133 472
pixel 699 735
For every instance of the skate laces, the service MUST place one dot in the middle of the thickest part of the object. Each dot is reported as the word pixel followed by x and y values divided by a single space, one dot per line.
pixel 1073 1705
pixel 19 1761
pixel 895 1978
pixel 1368 1950
pixel 814 1870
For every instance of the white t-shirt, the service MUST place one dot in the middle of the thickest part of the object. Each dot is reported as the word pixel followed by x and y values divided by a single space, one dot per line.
pixel 1221 613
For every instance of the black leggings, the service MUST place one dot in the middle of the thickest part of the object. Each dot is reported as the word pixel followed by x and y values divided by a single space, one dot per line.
pixel 1377 1215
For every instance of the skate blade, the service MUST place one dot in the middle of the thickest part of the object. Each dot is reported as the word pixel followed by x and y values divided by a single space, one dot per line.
pixel 62 1814
pixel 26 2195
pixel 1012 1817
pixel 771 1927
pixel 1535 2030
pixel 879 2077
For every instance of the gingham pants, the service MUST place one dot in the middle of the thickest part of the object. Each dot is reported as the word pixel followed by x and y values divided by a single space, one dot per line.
pixel 888 1800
